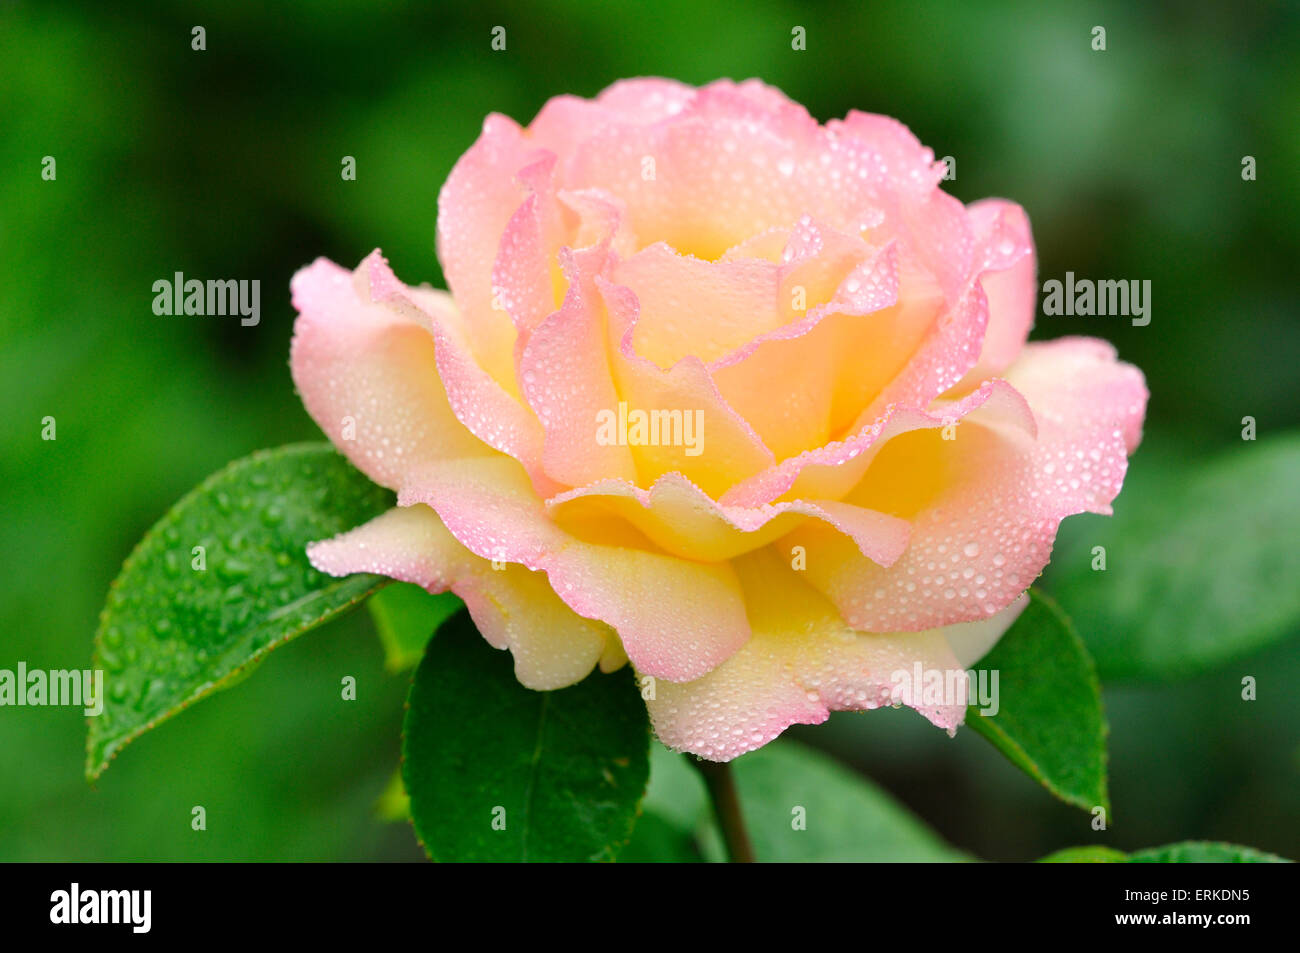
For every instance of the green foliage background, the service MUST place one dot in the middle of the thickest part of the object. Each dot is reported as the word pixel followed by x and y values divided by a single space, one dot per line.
pixel 225 163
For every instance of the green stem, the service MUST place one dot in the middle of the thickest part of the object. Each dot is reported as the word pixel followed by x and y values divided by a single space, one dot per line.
pixel 726 805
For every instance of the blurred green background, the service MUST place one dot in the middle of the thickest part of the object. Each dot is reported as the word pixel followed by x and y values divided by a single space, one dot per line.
pixel 225 163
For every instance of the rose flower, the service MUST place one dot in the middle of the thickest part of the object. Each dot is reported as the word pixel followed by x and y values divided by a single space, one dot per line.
pixel 737 397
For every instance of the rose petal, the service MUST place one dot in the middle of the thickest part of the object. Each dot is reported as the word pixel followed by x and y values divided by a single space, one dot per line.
pixel 828 362
pixel 688 307
pixel 368 375
pixel 721 450
pixel 802 663
pixel 701 184
pixel 971 641
pixel 681 518
pixel 568 383
pixel 474 206
pixel 676 618
pixel 514 608
pixel 985 506
pixel 831 471
pixel 486 410
pixel 1008 274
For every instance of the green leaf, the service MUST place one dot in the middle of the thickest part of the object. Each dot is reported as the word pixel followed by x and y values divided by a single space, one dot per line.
pixel 406 616
pixel 497 772
pixel 1204 852
pixel 1201 564
pixel 1049 721
pixel 1185 852
pixel 676 817
pixel 1086 855
pixel 676 791
pixel 658 840
pixel 182 622
pixel 845 817
pixel 785 786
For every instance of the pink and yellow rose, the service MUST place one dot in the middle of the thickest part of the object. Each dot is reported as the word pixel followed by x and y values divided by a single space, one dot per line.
pixel 881 461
